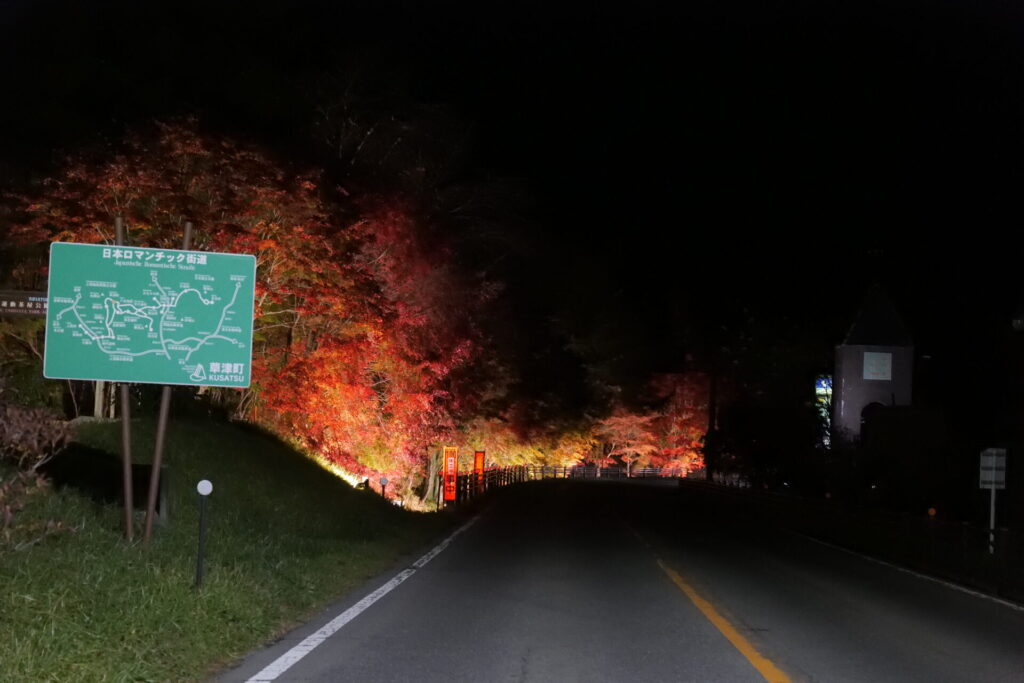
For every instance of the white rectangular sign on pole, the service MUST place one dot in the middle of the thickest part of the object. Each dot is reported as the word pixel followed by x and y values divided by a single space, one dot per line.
pixel 992 474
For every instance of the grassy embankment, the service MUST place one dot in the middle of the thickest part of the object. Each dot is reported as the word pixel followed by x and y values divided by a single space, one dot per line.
pixel 284 538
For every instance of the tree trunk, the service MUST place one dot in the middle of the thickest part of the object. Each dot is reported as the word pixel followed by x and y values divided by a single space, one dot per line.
pixel 74 399
pixel 98 402
pixel 430 488
pixel 111 401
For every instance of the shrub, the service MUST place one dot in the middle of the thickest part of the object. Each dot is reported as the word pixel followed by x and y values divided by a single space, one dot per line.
pixel 17 491
pixel 29 437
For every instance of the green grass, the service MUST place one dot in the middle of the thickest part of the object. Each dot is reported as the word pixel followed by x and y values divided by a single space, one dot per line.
pixel 284 538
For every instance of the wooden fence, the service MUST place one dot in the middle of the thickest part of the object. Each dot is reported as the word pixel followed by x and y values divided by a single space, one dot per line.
pixel 470 485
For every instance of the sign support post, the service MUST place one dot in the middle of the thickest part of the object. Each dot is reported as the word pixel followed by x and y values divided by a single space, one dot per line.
pixel 992 475
pixel 992 519
pixel 161 429
pixel 126 424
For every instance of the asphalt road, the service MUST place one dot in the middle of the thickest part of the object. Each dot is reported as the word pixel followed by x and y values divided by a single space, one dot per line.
pixel 601 581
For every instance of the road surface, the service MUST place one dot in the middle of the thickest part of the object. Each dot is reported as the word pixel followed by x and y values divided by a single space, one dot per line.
pixel 603 581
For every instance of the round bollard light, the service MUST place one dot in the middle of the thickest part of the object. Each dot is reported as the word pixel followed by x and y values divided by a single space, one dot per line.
pixel 205 488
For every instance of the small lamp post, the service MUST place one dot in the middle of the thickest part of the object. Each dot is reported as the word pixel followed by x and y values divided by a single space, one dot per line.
pixel 205 488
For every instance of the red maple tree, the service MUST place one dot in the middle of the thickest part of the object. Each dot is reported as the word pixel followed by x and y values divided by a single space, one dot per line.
pixel 360 323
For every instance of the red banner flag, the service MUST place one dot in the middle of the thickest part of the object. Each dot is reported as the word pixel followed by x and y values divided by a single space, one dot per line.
pixel 451 471
pixel 478 470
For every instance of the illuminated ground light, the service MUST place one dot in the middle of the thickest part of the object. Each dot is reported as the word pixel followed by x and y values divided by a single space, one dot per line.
pixel 351 479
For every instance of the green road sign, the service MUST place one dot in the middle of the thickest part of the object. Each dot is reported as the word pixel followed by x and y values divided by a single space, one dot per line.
pixel 157 316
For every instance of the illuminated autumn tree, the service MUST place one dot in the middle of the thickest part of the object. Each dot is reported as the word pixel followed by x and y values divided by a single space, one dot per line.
pixel 572 446
pixel 682 421
pixel 360 322
pixel 242 202
pixel 629 437
pixel 370 348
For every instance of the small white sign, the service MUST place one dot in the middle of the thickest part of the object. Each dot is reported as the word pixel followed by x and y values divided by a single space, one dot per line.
pixel 993 469
pixel 877 365
pixel 204 487
pixel 383 481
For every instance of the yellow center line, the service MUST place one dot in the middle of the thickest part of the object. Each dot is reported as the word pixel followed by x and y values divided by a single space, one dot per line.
pixel 764 666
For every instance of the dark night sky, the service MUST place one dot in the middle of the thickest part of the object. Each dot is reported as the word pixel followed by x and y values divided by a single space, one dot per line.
pixel 678 154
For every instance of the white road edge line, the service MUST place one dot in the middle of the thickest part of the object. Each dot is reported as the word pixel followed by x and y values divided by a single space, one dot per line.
pixel 947 584
pixel 290 658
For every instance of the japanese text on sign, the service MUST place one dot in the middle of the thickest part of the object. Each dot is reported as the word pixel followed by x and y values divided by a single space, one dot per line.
pixel 451 471
pixel 157 316
pixel 16 304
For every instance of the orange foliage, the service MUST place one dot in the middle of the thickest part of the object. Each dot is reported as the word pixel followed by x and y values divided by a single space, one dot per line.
pixel 365 348
pixel 358 325
pixel 683 420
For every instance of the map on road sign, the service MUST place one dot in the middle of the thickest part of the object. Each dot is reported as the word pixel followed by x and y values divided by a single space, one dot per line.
pixel 158 316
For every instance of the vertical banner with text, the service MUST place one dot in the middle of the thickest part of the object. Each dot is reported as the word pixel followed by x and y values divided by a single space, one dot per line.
pixel 478 470
pixel 451 471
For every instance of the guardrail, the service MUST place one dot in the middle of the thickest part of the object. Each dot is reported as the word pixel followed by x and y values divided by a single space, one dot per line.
pixel 952 550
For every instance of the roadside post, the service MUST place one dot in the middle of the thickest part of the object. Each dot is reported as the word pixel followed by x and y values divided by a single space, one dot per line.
pixel 992 475
pixel 161 428
pixel 120 237
pixel 383 487
pixel 451 472
pixel 205 488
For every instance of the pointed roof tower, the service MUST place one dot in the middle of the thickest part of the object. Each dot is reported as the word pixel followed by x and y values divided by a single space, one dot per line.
pixel 878 323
